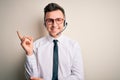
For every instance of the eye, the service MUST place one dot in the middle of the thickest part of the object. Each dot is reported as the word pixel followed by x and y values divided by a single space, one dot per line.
pixel 49 20
pixel 59 19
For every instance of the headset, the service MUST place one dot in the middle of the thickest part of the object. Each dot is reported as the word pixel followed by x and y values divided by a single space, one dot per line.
pixel 65 23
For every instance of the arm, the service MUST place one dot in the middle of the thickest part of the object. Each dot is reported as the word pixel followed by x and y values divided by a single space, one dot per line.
pixel 32 71
pixel 31 68
pixel 77 65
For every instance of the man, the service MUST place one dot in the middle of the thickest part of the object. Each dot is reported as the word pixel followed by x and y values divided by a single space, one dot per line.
pixel 53 57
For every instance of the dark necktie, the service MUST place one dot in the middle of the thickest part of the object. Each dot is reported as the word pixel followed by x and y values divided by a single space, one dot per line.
pixel 55 61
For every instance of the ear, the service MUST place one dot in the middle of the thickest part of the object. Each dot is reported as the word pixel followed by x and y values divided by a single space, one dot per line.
pixel 44 24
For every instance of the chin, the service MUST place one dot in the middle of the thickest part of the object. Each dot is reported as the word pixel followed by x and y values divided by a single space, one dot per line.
pixel 54 35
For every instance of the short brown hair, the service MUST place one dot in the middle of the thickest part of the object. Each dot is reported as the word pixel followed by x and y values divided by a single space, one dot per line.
pixel 52 7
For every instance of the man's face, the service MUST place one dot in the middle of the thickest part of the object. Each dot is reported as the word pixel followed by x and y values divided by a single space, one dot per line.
pixel 54 21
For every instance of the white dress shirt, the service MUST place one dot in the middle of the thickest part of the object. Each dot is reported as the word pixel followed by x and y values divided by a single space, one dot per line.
pixel 40 64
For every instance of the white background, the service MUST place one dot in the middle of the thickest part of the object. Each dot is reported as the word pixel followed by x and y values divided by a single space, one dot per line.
pixel 95 24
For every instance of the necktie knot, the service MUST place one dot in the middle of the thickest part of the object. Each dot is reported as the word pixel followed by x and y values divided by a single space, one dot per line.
pixel 55 41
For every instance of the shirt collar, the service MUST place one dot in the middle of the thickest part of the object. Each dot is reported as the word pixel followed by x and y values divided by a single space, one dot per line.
pixel 60 38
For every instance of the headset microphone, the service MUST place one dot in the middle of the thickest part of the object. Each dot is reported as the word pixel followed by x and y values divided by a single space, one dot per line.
pixel 65 25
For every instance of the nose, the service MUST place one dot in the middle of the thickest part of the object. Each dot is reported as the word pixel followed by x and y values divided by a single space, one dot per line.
pixel 54 23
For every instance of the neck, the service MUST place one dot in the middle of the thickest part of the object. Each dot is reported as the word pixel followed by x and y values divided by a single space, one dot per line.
pixel 56 36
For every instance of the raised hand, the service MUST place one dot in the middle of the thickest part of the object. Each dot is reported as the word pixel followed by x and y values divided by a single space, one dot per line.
pixel 26 43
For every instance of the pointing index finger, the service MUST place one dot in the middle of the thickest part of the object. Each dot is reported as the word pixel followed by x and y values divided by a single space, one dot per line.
pixel 19 35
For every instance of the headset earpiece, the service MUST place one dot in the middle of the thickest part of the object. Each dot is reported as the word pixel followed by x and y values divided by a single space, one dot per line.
pixel 65 23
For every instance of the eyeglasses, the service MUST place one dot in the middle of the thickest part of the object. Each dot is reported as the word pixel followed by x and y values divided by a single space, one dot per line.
pixel 50 21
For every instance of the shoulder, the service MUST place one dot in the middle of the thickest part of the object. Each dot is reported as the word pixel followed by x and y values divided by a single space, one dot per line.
pixel 40 41
pixel 72 45
pixel 70 42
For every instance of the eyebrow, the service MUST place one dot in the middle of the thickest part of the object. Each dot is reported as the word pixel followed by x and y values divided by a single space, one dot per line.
pixel 55 18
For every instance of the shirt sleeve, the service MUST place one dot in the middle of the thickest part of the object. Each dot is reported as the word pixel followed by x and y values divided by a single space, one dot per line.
pixel 77 72
pixel 31 69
